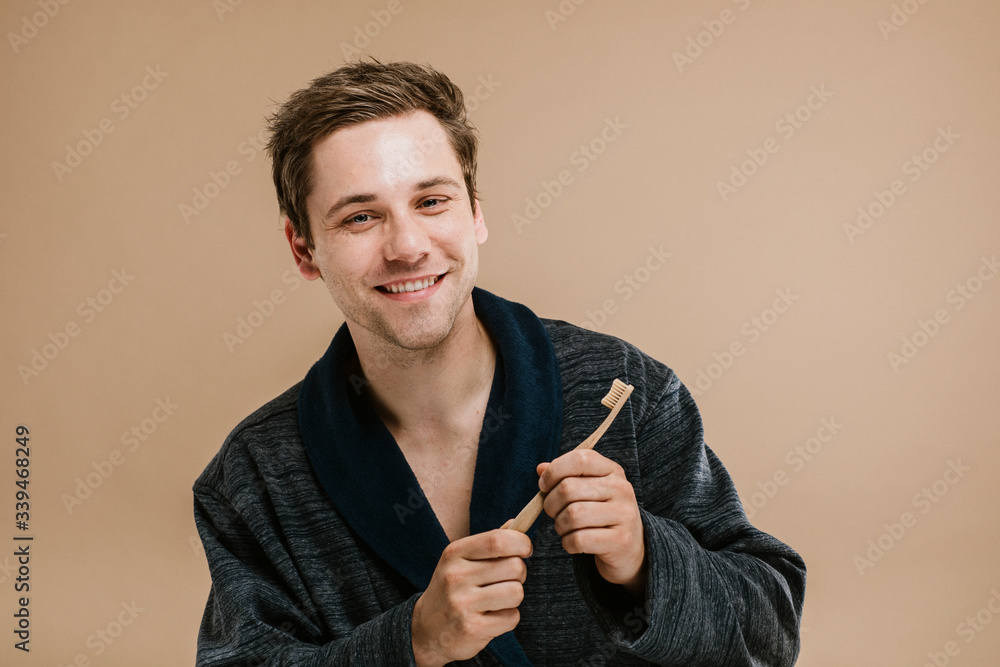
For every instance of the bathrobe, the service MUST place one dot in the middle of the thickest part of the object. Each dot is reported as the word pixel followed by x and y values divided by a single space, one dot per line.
pixel 320 540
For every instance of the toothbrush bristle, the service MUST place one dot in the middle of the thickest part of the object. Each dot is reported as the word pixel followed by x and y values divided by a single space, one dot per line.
pixel 617 390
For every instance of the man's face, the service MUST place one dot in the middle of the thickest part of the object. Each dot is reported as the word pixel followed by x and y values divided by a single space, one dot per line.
pixel 395 238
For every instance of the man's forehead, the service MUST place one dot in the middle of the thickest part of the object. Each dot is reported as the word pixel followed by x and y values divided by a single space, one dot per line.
pixel 396 147
pixel 401 153
pixel 416 130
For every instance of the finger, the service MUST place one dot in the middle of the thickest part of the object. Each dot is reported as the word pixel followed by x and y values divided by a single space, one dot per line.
pixel 499 596
pixel 496 543
pixel 499 622
pixel 540 468
pixel 600 541
pixel 581 489
pixel 468 578
pixel 577 463
pixel 488 572
pixel 581 515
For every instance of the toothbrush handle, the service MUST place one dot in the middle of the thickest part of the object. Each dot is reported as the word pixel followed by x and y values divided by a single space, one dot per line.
pixel 522 522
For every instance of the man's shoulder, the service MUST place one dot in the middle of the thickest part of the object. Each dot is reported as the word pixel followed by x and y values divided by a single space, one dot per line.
pixel 587 356
pixel 270 428
pixel 566 336
pixel 273 414
pixel 576 345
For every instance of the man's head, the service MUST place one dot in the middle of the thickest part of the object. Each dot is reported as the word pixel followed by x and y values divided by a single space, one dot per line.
pixel 375 173
pixel 353 94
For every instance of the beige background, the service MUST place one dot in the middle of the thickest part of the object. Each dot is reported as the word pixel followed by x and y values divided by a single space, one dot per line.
pixel 553 86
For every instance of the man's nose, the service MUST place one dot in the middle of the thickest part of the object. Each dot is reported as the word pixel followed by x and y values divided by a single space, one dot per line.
pixel 406 239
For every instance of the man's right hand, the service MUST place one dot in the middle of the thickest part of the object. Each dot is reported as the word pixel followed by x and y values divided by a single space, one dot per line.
pixel 472 597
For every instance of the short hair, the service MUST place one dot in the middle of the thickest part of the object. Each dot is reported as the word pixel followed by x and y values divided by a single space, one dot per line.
pixel 353 94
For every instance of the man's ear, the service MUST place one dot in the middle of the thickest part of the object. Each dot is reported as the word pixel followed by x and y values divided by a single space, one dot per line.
pixel 480 225
pixel 302 252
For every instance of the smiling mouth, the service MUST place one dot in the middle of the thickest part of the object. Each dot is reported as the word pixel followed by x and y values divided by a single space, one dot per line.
pixel 409 285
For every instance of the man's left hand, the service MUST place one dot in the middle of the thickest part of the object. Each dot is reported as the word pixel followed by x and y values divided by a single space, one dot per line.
pixel 595 512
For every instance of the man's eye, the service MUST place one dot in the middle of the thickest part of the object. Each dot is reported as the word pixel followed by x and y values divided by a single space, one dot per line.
pixel 431 203
pixel 360 218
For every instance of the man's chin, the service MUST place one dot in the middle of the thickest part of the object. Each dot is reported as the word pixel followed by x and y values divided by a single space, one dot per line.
pixel 417 328
pixel 410 336
pixel 418 341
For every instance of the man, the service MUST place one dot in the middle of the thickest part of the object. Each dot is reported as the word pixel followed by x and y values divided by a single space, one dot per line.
pixel 355 519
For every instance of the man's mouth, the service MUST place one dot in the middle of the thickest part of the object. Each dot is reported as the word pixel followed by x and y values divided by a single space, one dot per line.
pixel 409 285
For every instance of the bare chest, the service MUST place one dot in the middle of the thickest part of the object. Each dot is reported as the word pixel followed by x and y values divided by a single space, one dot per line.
pixel 445 475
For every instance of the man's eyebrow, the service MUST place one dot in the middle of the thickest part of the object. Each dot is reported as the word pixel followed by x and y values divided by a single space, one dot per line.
pixel 347 200
pixel 434 182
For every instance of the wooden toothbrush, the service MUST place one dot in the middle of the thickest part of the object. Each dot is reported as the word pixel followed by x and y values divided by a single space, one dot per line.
pixel 613 401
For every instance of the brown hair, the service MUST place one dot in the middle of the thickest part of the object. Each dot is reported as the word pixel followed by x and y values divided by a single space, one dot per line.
pixel 352 94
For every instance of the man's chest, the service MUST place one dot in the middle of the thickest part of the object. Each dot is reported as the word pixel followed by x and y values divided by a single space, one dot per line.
pixel 446 475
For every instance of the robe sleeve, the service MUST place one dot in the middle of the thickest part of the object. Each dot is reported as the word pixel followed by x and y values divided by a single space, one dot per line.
pixel 253 616
pixel 719 591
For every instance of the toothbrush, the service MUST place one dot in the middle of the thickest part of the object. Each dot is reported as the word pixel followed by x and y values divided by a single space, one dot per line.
pixel 613 401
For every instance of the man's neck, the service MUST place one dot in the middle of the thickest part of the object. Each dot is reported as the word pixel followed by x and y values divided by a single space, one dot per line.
pixel 427 391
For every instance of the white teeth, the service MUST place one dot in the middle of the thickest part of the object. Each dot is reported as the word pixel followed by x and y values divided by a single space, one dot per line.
pixel 411 286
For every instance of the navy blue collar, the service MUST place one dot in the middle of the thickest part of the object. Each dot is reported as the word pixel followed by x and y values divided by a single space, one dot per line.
pixel 369 481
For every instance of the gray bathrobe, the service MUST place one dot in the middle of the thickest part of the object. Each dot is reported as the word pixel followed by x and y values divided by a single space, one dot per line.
pixel 320 540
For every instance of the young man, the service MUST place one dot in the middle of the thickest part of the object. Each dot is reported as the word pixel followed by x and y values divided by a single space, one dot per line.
pixel 355 519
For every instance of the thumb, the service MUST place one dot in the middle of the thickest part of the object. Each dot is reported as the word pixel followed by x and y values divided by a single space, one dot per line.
pixel 540 468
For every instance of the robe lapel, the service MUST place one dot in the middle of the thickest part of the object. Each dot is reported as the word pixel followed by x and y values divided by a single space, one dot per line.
pixel 369 481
